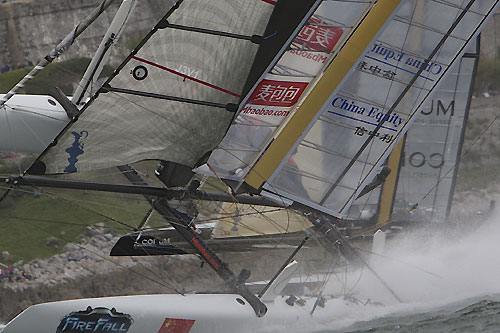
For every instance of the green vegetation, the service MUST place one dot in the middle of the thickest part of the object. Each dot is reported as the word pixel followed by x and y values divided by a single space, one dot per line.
pixel 476 178
pixel 63 74
pixel 29 217
pixel 487 75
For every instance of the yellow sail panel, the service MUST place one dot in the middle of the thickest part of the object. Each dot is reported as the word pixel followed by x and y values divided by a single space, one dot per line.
pixel 275 97
pixel 341 150
pixel 331 79
pixel 389 188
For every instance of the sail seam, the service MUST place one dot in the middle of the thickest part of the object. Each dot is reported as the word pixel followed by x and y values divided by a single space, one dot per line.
pixel 254 38
pixel 166 97
pixel 396 103
pixel 187 77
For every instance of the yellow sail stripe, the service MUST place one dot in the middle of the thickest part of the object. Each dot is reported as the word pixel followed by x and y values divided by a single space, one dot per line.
pixel 330 80
pixel 389 188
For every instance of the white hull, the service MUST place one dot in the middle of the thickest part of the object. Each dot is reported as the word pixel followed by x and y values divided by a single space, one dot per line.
pixel 29 123
pixel 149 313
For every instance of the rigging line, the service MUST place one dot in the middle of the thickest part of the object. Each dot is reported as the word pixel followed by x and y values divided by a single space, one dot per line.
pixel 54 195
pixel 44 221
pixel 78 203
pixel 399 261
pixel 115 73
pixel 228 189
pixel 58 236
pixel 163 116
pixel 17 108
pixel 400 97
pixel 119 222
pixel 463 155
pixel 59 49
pixel 231 107
pixel 163 284
pixel 357 281
pixel 375 131
pixel 256 39
pixel 186 77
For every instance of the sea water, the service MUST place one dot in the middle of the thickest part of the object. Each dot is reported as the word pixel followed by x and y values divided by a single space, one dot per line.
pixel 447 283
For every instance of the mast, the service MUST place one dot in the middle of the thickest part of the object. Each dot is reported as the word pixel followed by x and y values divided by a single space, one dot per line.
pixel 84 88
pixel 59 49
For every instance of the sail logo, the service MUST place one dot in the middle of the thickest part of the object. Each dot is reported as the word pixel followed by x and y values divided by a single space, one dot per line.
pixel 75 150
pixel 183 69
pixel 99 319
pixel 277 93
pixel 402 61
pixel 203 251
pixel 418 159
pixel 174 325
pixel 440 107
pixel 318 35
pixel 366 114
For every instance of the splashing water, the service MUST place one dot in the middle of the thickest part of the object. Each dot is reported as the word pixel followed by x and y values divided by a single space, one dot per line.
pixel 438 277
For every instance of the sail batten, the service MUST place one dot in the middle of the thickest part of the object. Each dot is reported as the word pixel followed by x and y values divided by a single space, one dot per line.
pixel 176 89
pixel 275 97
pixel 432 151
pixel 323 160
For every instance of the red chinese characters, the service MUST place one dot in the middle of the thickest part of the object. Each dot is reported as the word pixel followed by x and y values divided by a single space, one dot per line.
pixel 173 325
pixel 317 35
pixel 277 93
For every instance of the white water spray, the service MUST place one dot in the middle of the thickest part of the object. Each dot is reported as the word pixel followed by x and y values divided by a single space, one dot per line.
pixel 428 271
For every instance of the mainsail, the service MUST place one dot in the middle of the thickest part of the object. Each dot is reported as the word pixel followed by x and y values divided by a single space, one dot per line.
pixel 173 97
pixel 433 146
pixel 324 159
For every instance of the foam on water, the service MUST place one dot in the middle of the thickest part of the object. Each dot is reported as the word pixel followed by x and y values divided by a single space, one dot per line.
pixel 428 272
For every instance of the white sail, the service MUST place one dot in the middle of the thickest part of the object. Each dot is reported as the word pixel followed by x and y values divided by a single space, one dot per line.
pixel 275 97
pixel 135 117
pixel 433 145
pixel 339 148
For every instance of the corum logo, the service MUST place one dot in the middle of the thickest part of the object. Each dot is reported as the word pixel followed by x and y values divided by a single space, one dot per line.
pixel 95 320
pixel 75 150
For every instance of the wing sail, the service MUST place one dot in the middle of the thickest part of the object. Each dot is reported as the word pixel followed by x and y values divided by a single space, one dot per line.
pixel 433 146
pixel 346 126
pixel 170 98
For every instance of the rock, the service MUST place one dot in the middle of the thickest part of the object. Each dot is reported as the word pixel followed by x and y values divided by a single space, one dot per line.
pixel 52 242
pixel 90 231
pixel 5 254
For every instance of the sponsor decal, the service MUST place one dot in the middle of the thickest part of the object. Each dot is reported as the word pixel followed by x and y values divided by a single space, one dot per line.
pixel 360 131
pixel 204 253
pixel 174 325
pixel 75 150
pixel 418 159
pixel 380 55
pixel 95 320
pixel 263 111
pixel 440 107
pixel 365 113
pixel 318 57
pixel 277 93
pixel 318 35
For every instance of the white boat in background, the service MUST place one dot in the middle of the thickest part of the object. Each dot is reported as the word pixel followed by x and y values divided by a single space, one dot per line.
pixel 300 111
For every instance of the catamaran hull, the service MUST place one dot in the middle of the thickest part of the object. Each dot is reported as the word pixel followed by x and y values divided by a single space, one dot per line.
pixel 165 313
pixel 29 123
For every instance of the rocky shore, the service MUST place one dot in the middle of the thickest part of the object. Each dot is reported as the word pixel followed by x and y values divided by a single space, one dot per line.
pixel 86 270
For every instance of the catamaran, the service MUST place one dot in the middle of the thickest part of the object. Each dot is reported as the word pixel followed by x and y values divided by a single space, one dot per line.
pixel 305 127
